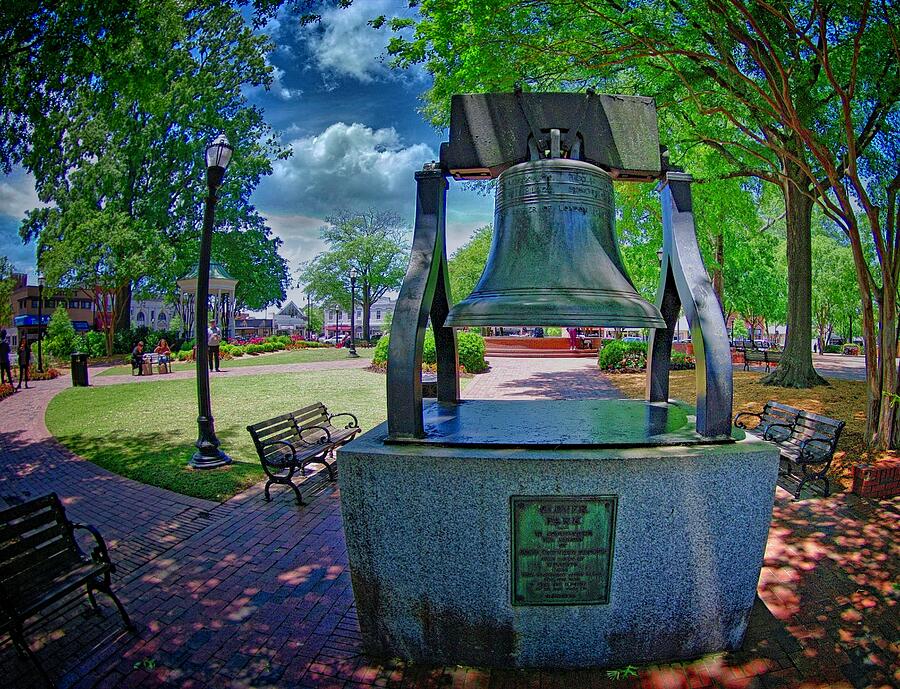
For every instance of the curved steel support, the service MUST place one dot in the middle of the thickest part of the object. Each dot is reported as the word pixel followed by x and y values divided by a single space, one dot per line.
pixel 425 292
pixel 685 283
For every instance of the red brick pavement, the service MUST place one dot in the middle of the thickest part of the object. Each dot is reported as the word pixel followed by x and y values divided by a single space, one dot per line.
pixel 260 597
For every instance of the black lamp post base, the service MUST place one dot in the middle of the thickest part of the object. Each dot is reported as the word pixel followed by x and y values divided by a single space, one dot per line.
pixel 203 459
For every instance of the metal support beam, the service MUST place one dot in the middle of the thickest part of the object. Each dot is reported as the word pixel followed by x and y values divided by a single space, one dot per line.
pixel 685 283
pixel 425 292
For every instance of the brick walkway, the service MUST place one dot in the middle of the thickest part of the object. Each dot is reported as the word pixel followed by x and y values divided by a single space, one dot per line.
pixel 255 594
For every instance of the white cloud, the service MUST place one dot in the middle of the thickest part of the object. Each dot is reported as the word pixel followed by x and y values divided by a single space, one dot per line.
pixel 17 195
pixel 278 87
pixel 343 44
pixel 347 165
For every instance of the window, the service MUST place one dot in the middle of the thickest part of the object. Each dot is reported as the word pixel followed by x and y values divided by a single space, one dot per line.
pixel 140 318
pixel 153 315
pixel 330 315
pixel 34 303
pixel 162 318
pixel 85 304
pixel 378 314
pixel 359 313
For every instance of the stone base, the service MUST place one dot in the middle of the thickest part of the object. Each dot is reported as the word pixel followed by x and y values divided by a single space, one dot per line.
pixel 429 539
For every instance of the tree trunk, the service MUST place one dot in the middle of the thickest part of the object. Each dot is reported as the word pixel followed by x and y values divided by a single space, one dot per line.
pixel 123 307
pixel 796 367
pixel 885 435
pixel 718 276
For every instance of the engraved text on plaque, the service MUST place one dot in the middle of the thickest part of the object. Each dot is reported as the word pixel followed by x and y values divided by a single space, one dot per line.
pixel 562 549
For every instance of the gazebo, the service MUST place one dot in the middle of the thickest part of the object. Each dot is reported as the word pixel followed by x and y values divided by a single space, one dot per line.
pixel 221 296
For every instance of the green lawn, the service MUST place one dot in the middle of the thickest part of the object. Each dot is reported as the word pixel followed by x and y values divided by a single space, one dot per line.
pixel 293 356
pixel 146 431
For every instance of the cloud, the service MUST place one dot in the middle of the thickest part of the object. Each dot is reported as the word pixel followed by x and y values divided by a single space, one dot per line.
pixel 343 44
pixel 17 195
pixel 278 87
pixel 345 166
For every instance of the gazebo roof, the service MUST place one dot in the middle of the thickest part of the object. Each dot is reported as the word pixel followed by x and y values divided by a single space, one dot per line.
pixel 216 272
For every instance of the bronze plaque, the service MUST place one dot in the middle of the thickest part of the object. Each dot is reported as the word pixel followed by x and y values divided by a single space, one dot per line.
pixel 562 549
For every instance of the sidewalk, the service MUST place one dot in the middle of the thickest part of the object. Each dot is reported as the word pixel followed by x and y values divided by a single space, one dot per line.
pixel 256 594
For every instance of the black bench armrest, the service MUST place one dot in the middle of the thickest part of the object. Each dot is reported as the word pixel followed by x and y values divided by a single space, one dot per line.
pixel 741 424
pixel 354 423
pixel 99 553
pixel 806 457
pixel 324 440
pixel 766 435
pixel 286 443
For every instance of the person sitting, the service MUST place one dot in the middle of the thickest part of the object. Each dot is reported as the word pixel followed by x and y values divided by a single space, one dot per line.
pixel 137 358
pixel 164 353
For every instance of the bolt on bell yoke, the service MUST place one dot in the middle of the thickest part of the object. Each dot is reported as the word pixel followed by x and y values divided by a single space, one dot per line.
pixel 554 258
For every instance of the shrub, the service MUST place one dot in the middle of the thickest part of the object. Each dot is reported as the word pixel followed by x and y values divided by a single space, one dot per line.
pixel 681 361
pixel 269 347
pixel 617 355
pixel 6 390
pixel 49 374
pixel 471 351
pixel 237 352
pixel 851 349
pixel 469 344
pixel 380 354
pixel 553 332
pixel 60 339
pixel 832 349
pixel 94 343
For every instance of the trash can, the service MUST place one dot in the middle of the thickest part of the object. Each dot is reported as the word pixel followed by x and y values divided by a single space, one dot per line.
pixel 79 369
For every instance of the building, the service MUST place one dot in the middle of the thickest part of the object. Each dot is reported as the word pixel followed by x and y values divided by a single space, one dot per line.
pixel 25 301
pixel 152 313
pixel 290 320
pixel 380 314
pixel 246 327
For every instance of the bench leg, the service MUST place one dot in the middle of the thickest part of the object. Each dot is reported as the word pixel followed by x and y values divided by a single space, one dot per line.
pixel 129 625
pixel 298 494
pixel 24 650
pixel 268 497
pixel 94 606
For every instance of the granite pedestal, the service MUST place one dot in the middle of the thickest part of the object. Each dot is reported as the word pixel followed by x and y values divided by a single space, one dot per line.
pixel 438 578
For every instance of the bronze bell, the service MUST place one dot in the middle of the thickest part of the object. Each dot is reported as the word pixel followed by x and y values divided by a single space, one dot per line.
pixel 554 257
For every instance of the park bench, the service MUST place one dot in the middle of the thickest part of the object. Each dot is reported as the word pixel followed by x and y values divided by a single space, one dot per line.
pixel 287 443
pixel 761 356
pixel 807 441
pixel 41 564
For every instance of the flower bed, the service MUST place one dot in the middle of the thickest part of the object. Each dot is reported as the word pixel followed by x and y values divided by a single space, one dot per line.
pixel 6 390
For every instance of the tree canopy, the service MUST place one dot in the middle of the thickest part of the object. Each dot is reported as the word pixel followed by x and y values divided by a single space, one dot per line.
pixel 120 156
pixel 374 243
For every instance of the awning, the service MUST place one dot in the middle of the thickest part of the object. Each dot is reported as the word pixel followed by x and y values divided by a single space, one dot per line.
pixel 28 319
pixel 81 326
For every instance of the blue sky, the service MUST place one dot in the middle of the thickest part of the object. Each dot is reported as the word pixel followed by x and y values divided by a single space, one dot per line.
pixel 354 128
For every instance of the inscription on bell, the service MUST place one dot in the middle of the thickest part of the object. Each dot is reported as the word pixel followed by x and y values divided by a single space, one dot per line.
pixel 562 549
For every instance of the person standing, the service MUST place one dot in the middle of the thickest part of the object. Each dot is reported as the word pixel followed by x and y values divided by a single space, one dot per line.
pixel 573 338
pixel 5 351
pixel 213 340
pixel 24 362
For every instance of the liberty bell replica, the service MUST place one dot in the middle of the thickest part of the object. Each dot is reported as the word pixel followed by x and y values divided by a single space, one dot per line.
pixel 554 259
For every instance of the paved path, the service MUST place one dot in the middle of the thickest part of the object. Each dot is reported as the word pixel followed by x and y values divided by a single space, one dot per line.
pixel 249 593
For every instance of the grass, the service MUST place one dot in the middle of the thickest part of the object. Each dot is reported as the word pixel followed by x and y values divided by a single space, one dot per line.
pixel 843 399
pixel 292 356
pixel 146 431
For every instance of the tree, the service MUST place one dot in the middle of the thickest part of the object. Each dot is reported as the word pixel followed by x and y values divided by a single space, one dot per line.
pixel 835 296
pixel 121 157
pixel 467 263
pixel 7 285
pixel 61 337
pixel 721 70
pixel 316 319
pixel 374 243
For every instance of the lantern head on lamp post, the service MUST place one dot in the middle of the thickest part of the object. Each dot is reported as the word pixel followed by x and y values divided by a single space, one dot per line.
pixel 41 282
pixel 208 454
pixel 351 352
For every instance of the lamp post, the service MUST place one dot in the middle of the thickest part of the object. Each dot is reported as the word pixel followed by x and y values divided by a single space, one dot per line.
pixel 351 352
pixel 40 321
pixel 208 454
pixel 308 317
